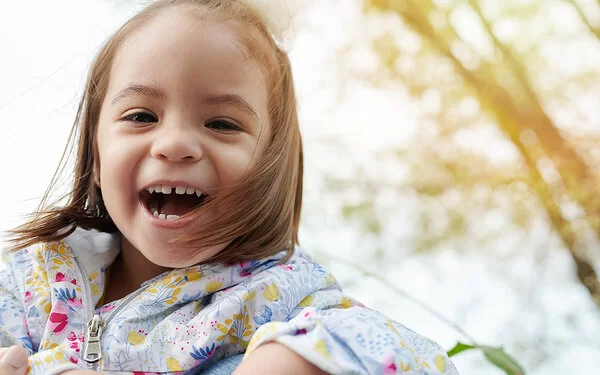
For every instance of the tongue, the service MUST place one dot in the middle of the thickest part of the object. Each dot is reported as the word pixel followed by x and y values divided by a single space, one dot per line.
pixel 178 204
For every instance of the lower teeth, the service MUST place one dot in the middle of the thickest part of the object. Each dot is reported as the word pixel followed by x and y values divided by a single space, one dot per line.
pixel 165 217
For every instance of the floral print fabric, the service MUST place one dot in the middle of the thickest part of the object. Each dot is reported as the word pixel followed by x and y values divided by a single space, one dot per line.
pixel 191 317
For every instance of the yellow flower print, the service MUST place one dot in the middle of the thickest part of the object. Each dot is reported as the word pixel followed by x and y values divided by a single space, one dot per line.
pixel 171 279
pixel 404 367
pixel 213 286
pixel 134 338
pixel 193 274
pixel 44 344
pixel 59 356
pixel 250 296
pixel 46 306
pixel 39 277
pixel 271 293
pixel 225 328
pixel 95 290
pixel 389 324
pixel 345 303
pixel 174 365
pixel 236 329
pixel 173 297
pixel 307 301
pixel 440 363
pixel 321 348
pixel 56 253
pixel 330 280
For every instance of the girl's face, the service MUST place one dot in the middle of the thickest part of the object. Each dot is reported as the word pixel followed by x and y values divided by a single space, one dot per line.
pixel 185 114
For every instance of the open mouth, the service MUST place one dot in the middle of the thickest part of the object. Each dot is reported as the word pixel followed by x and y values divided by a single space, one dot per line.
pixel 170 203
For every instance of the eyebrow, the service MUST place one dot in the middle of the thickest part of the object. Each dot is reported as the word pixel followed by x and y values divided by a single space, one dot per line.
pixel 136 89
pixel 234 100
pixel 151 91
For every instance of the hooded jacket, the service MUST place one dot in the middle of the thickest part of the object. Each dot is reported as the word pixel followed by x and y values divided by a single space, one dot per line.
pixel 191 317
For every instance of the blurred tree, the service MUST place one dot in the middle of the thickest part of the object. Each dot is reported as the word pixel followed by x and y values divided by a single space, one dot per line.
pixel 507 77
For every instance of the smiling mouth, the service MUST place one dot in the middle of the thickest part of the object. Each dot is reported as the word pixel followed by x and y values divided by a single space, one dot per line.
pixel 170 203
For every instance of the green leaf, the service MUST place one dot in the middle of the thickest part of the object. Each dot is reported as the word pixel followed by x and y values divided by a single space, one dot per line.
pixel 503 361
pixel 496 356
pixel 458 348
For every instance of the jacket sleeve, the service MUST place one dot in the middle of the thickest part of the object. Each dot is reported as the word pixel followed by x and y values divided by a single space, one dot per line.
pixel 14 328
pixel 341 336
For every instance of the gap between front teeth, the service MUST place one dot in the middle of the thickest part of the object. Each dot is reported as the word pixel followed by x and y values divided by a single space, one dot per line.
pixel 178 190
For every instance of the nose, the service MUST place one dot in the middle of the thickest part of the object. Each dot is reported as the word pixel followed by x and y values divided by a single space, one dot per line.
pixel 175 144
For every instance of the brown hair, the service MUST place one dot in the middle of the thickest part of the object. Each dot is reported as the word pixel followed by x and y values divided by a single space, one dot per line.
pixel 264 206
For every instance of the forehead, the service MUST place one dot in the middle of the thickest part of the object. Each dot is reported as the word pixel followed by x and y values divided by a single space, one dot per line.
pixel 187 54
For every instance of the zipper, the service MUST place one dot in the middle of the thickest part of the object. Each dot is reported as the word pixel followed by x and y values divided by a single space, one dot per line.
pixel 92 350
pixel 90 317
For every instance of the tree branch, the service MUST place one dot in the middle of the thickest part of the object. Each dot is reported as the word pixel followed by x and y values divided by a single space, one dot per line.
pixel 581 13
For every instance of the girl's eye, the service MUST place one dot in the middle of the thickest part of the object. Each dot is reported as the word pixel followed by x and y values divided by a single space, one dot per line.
pixel 224 126
pixel 141 117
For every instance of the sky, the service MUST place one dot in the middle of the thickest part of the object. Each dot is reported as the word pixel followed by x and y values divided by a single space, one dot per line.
pixel 46 49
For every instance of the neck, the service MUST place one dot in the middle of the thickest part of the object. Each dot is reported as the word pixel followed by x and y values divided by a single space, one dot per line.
pixel 129 270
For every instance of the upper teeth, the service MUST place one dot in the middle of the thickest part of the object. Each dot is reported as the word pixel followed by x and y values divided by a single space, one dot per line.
pixel 178 190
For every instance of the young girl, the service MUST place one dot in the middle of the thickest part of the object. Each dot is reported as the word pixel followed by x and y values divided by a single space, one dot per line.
pixel 176 247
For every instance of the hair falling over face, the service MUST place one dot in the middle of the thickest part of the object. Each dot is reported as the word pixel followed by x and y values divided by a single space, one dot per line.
pixel 262 209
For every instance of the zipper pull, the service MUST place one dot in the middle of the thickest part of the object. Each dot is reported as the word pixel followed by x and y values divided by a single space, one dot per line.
pixel 92 352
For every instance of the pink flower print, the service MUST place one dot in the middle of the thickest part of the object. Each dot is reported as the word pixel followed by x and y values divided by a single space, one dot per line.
pixel 289 268
pixel 75 302
pixel 74 341
pixel 61 277
pixel 72 336
pixel 59 317
pixel 244 268
pixel 27 296
pixel 244 272
pixel 74 359
pixel 107 308
pixel 389 367
pixel 309 311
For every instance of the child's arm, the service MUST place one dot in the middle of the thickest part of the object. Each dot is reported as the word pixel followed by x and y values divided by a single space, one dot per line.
pixel 354 340
pixel 274 359
pixel 334 332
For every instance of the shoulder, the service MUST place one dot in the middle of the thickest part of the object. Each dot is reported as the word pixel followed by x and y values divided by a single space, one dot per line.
pixel 292 282
pixel 299 267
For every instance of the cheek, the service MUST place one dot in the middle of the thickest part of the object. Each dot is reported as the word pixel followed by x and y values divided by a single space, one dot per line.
pixel 234 162
pixel 116 165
